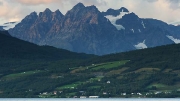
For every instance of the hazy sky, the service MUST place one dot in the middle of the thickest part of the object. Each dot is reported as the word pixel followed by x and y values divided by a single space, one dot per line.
pixel 166 10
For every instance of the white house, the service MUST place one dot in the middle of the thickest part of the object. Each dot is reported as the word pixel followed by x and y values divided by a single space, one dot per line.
pixel 93 96
pixel 108 81
pixel 83 97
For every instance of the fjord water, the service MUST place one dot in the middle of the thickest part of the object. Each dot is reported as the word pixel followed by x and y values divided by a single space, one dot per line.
pixel 99 99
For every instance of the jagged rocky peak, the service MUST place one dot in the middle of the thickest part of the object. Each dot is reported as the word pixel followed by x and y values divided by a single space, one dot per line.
pixel 57 12
pixel 130 20
pixel 75 9
pixel 33 14
pixel 111 12
pixel 114 12
pixel 123 9
pixel 79 6
pixel 92 9
pixel 78 18
pixel 80 12
pixel 45 16
pixel 130 16
pixel 30 18
pixel 92 6
pixel 57 16
pixel 47 10
pixel 93 15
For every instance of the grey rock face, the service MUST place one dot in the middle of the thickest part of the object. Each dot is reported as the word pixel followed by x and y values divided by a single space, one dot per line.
pixel 87 30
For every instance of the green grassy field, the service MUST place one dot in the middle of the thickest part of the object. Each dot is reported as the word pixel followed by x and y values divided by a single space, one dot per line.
pixel 109 65
pixel 22 74
pixel 75 84
pixel 69 86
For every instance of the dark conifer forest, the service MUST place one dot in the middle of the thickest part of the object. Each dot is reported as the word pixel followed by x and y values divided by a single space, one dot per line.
pixel 29 70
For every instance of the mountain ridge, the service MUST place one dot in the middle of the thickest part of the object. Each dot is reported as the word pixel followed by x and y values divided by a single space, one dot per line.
pixel 26 49
pixel 86 29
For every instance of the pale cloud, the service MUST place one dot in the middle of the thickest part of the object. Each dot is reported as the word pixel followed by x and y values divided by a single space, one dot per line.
pixel 174 4
pixel 11 12
pixel 39 2
pixel 1 3
pixel 92 2
pixel 151 1
pixel 36 2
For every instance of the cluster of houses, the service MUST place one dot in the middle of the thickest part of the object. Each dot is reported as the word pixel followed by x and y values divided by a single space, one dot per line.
pixel 55 93
pixel 49 93
pixel 105 93
pixel 145 94
pixel 89 96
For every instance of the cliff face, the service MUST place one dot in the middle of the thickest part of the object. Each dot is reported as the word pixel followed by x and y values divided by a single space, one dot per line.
pixel 34 28
pixel 87 30
pixel 82 29
pixel 138 30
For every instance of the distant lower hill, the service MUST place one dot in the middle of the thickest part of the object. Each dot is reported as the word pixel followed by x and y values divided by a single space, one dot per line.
pixel 15 48
pixel 17 55
pixel 152 72
pixel 5 33
pixel 161 57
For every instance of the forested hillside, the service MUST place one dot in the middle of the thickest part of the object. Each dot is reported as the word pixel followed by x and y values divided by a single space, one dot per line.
pixel 29 70
pixel 33 62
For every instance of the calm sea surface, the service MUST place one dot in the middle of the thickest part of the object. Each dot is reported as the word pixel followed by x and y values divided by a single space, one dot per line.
pixel 98 99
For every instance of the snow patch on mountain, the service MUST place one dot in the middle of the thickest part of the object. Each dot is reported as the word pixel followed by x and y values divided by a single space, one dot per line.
pixel 122 10
pixel 113 19
pixel 175 23
pixel 143 24
pixel 132 30
pixel 7 26
pixel 141 45
pixel 177 41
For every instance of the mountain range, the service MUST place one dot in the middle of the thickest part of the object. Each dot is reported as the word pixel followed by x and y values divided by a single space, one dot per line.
pixel 87 30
